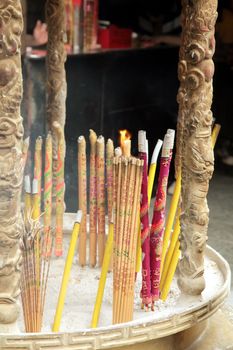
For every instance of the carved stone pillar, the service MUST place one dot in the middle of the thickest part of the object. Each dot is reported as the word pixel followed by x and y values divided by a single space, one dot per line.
pixel 56 57
pixel 11 160
pixel 194 151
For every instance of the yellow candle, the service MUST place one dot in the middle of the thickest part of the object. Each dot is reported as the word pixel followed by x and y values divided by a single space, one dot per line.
pixel 171 217
pixel 174 239
pixel 104 271
pixel 215 133
pixel 35 200
pixel 171 271
pixel 66 274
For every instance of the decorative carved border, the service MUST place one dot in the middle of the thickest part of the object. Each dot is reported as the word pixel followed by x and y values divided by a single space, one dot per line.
pixel 127 334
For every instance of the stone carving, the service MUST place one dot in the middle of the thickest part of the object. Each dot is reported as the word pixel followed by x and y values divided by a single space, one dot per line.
pixel 194 150
pixel 56 57
pixel 11 159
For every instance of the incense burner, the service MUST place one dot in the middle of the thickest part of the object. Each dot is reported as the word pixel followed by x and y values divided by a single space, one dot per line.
pixel 184 322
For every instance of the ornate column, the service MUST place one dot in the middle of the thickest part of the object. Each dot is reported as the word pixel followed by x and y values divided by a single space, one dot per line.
pixel 194 151
pixel 56 75
pixel 11 160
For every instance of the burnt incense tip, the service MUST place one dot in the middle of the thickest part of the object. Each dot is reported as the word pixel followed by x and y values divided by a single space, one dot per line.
pixel 26 141
pixel 79 216
pixel 134 160
pixel 156 151
pixel 49 136
pixel 168 142
pixel 142 147
pixel 27 184
pixel 81 139
pixel 110 144
pixel 34 186
pixel 125 160
pixel 58 130
pixel 100 139
pixel 118 152
pixel 39 141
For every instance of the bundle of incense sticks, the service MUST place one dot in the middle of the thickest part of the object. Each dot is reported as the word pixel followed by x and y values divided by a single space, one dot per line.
pixel 34 277
pixel 158 221
pixel 127 188
pixel 33 198
pixel 97 197
pixel 145 231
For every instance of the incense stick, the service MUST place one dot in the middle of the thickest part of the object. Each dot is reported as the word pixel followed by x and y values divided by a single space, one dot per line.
pixel 109 175
pixel 145 231
pixel 82 198
pixel 109 172
pixel 60 188
pixel 93 200
pixel 35 271
pixel 48 183
pixel 100 162
pixel 158 221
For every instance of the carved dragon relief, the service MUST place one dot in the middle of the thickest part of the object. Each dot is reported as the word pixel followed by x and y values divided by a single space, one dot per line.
pixel 194 150
pixel 56 75
pixel 11 158
pixel 56 83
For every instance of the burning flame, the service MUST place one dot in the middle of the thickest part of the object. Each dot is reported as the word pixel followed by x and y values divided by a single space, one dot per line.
pixel 123 136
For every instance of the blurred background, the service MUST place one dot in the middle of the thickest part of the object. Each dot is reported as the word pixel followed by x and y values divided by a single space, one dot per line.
pixel 122 74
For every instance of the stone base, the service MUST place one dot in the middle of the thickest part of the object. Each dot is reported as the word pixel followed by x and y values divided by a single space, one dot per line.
pixel 218 335
pixel 11 328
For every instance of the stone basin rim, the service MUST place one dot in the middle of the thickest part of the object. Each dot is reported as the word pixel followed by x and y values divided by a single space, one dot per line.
pixel 139 330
